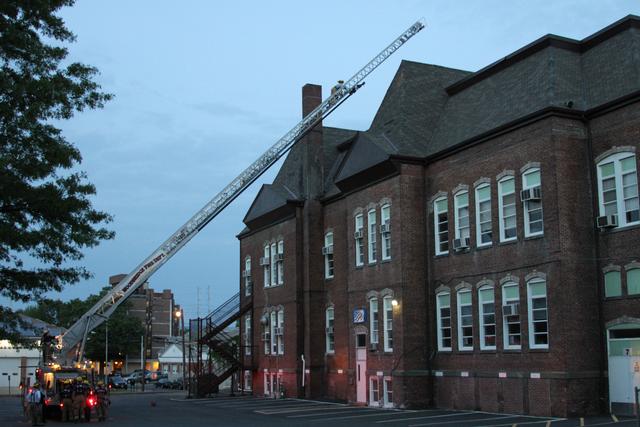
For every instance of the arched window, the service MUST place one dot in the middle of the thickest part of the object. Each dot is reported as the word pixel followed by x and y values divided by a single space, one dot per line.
pixel 461 215
pixel 443 314
pixel 329 333
pixel 441 225
pixel 618 188
pixel 511 316
pixel 483 215
pixel 487 317
pixel 538 314
pixel 327 251
pixel 465 320
pixel 531 197
pixel 507 208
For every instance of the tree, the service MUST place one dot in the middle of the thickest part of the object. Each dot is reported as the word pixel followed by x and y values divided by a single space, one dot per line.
pixel 124 330
pixel 46 216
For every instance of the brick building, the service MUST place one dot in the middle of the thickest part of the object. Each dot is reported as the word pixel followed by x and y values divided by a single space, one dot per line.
pixel 156 313
pixel 475 248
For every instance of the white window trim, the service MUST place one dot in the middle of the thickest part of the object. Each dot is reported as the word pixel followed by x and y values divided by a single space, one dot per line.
pixel 615 158
pixel 280 338
pixel 360 241
pixel 248 283
pixel 328 350
pixel 373 402
pixel 280 264
pixel 462 347
pixel 372 252
pixel 386 402
pixel 267 267
pixel 525 208
pixel 374 331
pixel 505 330
pixel 479 243
pixel 456 214
pixel 272 262
pixel 383 240
pixel 247 335
pixel 272 326
pixel 481 314
pixel 532 343
pixel 436 228
pixel 439 321
pixel 385 317
pixel 329 272
pixel 501 210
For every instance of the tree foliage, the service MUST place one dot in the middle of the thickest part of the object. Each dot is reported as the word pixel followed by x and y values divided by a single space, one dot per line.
pixel 124 330
pixel 46 216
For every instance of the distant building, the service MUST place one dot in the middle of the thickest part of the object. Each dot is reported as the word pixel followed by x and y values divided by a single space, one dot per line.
pixel 156 312
pixel 18 363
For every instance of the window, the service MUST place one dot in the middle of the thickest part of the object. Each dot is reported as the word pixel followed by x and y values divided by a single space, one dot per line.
pixel 329 335
pixel 248 285
pixel 247 335
pixel 280 332
pixel 385 219
pixel 359 240
pixel 388 392
pixel 538 319
pixel 511 316
pixel 328 255
pixel 280 262
pixel 274 269
pixel 374 391
pixel 618 188
pixel 633 281
pixel 461 209
pixel 273 325
pixel 388 323
pixel 533 225
pixel 266 334
pixel 373 320
pixel 483 215
pixel 266 261
pixel 507 209
pixel 372 236
pixel 247 380
pixel 465 320
pixel 443 302
pixel 612 284
pixel 441 225
pixel 487 318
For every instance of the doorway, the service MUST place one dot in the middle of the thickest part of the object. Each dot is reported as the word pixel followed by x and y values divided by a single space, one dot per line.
pixel 623 348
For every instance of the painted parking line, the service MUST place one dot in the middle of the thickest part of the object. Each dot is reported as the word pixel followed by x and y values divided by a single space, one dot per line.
pixel 355 410
pixel 453 414
pixel 257 402
pixel 363 414
pixel 466 421
pixel 547 423
pixel 295 409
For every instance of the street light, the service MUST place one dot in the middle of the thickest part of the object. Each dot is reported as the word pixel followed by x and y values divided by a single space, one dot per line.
pixel 179 316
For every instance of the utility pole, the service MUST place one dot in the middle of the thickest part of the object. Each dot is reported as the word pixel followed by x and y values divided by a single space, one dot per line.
pixel 106 350
pixel 180 315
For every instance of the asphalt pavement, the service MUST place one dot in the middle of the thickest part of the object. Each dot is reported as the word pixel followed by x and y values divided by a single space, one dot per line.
pixel 170 409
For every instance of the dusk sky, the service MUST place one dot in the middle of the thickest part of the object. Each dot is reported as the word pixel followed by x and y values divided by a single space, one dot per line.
pixel 202 88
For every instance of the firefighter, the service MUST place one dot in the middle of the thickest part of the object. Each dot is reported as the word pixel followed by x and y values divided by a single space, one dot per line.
pixel 103 401
pixel 88 393
pixel 78 400
pixel 66 397
pixel 34 397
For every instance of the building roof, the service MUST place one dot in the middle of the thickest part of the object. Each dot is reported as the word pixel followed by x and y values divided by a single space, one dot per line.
pixel 429 109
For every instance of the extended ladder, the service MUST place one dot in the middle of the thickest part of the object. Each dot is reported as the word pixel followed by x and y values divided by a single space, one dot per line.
pixel 101 311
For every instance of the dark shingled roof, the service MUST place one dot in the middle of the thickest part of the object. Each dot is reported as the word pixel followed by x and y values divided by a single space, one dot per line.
pixel 429 109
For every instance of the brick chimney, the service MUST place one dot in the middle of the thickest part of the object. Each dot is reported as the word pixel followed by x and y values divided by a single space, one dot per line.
pixel 313 165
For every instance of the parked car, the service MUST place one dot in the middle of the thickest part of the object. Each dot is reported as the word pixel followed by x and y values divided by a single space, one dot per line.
pixel 163 383
pixel 134 377
pixel 117 382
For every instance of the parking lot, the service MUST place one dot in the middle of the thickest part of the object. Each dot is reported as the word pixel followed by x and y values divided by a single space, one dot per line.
pixel 306 412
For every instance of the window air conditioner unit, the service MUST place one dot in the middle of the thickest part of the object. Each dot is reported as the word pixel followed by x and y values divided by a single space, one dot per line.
pixel 264 260
pixel 385 228
pixel 534 193
pixel 607 221
pixel 461 244
pixel 358 234
pixel 278 331
pixel 329 330
pixel 279 257
pixel 373 346
pixel 512 309
pixel 246 274
pixel 327 250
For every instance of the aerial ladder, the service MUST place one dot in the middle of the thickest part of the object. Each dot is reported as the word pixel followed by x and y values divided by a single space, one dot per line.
pixel 76 335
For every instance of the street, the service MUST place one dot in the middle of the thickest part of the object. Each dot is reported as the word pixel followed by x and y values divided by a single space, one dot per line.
pixel 171 409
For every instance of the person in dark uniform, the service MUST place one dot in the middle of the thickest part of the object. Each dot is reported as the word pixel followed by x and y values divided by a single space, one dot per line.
pixel 103 401
pixel 66 398
pixel 78 400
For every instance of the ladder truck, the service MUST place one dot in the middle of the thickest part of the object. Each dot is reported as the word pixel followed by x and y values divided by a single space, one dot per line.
pixel 76 336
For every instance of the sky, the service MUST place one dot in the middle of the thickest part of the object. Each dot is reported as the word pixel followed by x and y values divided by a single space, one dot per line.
pixel 202 88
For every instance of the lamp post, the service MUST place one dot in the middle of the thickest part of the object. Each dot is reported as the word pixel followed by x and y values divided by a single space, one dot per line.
pixel 180 316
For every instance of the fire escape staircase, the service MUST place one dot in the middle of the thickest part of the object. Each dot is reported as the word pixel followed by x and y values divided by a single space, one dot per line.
pixel 224 358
